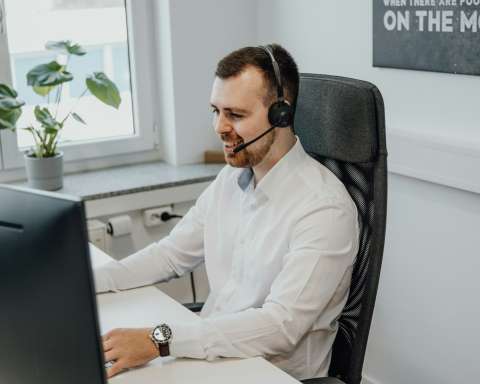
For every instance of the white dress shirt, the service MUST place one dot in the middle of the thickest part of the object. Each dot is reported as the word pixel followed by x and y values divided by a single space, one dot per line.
pixel 278 256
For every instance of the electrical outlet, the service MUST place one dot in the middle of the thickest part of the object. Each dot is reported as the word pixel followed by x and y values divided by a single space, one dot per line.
pixel 151 217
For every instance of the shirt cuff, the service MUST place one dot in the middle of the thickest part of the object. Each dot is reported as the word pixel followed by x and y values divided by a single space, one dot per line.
pixel 186 341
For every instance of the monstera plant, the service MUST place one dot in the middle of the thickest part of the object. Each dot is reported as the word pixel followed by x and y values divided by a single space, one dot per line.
pixel 44 162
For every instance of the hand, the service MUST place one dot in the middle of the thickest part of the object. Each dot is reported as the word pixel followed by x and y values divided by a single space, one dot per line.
pixel 128 348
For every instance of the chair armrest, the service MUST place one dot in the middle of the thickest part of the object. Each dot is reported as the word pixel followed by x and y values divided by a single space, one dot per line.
pixel 194 307
pixel 323 380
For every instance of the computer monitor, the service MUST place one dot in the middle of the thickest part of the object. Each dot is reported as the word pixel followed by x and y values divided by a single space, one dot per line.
pixel 49 330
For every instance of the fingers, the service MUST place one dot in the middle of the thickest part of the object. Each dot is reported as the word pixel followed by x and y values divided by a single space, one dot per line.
pixel 107 345
pixel 116 368
pixel 128 348
pixel 111 355
pixel 106 337
pixel 109 334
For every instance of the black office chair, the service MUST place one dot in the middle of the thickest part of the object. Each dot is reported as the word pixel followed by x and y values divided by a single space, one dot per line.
pixel 341 123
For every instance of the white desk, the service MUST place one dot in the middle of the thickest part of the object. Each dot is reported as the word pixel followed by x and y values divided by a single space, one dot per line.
pixel 144 307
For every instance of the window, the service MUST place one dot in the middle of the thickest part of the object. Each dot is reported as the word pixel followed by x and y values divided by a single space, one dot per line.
pixel 108 30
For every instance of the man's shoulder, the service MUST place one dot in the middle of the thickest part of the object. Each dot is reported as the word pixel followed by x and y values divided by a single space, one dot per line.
pixel 321 184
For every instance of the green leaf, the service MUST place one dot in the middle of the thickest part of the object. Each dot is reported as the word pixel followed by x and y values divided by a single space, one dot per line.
pixel 48 75
pixel 43 91
pixel 78 118
pixel 5 91
pixel 51 130
pixel 5 124
pixel 44 117
pixel 8 103
pixel 104 89
pixel 8 98
pixel 8 119
pixel 10 107
pixel 66 46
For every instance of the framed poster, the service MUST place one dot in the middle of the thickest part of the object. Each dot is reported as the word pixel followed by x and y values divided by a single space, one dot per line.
pixel 429 35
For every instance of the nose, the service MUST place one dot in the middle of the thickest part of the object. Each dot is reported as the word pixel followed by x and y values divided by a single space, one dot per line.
pixel 221 124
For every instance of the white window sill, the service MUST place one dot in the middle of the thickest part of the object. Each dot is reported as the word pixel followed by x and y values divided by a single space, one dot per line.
pixel 136 186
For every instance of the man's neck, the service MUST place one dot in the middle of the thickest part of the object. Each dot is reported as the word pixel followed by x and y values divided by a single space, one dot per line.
pixel 279 149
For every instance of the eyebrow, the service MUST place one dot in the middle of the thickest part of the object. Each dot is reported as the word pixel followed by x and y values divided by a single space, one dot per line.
pixel 239 110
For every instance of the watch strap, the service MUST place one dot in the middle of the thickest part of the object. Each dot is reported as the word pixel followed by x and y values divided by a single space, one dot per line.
pixel 164 349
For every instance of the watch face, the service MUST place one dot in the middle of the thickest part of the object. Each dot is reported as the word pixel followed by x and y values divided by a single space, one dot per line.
pixel 162 333
pixel 158 335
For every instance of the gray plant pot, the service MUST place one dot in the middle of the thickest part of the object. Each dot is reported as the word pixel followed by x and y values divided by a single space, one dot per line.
pixel 45 173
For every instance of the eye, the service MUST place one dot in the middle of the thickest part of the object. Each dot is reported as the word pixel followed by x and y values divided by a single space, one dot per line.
pixel 235 116
pixel 214 110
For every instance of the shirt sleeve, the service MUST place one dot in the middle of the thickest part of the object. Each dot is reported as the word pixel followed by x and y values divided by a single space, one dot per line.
pixel 322 250
pixel 174 255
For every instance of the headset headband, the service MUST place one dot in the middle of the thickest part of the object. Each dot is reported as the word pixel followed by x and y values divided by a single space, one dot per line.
pixel 276 70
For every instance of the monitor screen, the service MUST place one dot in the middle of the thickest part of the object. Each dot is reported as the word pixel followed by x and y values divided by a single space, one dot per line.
pixel 49 329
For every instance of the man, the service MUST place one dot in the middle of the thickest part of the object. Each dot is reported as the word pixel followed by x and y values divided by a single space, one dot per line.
pixel 277 231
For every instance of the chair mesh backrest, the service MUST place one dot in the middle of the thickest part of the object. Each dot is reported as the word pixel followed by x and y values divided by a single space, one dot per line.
pixel 340 122
pixel 358 180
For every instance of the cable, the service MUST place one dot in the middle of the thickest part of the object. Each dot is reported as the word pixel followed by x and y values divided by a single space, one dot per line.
pixel 165 216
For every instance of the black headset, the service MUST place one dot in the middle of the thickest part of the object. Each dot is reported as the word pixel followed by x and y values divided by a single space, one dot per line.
pixel 280 113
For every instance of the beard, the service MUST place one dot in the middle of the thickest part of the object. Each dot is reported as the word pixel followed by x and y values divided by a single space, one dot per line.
pixel 253 154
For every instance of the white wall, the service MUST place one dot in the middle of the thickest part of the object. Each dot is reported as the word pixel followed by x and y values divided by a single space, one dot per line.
pixel 434 109
pixel 194 35
pixel 425 327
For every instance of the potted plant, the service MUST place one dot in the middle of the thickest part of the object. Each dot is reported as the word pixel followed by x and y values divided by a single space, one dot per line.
pixel 44 161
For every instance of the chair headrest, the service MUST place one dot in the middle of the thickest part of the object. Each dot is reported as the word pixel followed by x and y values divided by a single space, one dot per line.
pixel 336 117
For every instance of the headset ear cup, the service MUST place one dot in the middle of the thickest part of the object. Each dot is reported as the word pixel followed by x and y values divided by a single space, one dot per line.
pixel 280 114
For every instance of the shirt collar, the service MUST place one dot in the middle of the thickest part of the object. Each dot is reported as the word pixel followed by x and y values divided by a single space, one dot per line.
pixel 270 182
pixel 245 178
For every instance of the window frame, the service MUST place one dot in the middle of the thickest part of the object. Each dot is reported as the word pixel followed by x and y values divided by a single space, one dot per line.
pixel 140 43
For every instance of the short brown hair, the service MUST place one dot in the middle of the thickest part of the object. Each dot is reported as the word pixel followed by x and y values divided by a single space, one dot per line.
pixel 237 61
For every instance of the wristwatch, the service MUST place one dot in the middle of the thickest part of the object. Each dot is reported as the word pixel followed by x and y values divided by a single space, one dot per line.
pixel 161 336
